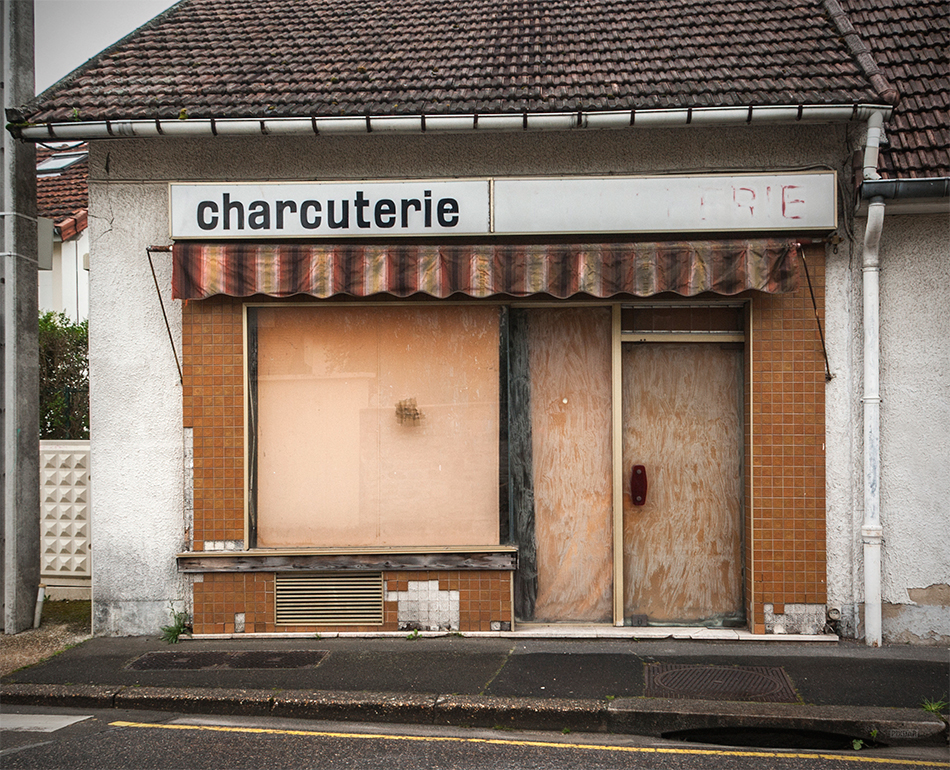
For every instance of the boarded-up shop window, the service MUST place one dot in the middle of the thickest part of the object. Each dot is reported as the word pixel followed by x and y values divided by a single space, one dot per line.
pixel 374 426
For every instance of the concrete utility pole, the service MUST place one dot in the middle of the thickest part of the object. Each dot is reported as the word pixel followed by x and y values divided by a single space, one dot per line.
pixel 18 314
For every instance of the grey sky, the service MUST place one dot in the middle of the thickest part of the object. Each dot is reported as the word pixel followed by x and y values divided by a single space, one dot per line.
pixel 70 32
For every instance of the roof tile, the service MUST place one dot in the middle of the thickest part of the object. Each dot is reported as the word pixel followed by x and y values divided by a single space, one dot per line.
pixel 295 58
pixel 65 195
pixel 233 58
pixel 907 38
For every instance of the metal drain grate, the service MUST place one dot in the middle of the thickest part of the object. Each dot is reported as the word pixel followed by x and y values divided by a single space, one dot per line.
pixel 764 684
pixel 211 659
pixel 329 599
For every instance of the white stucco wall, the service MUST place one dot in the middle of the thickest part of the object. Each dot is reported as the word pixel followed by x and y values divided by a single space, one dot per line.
pixel 915 430
pixel 135 415
pixel 915 427
pixel 844 495
pixel 695 150
pixel 137 457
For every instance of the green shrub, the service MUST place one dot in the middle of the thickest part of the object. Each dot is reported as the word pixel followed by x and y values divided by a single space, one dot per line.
pixel 64 377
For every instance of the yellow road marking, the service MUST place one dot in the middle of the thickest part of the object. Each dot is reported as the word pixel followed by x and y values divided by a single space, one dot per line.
pixel 534 744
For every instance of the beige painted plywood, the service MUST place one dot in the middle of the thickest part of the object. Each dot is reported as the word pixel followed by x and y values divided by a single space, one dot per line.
pixel 378 426
pixel 682 421
pixel 569 359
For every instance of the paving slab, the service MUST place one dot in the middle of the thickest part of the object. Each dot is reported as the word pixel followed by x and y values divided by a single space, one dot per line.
pixel 573 675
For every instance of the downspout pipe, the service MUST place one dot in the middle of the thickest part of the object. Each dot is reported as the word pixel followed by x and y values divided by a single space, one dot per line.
pixel 903 189
pixel 872 533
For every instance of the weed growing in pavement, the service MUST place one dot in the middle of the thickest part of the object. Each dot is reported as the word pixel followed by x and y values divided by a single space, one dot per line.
pixel 938 708
pixel 179 626
pixel 413 635
pixel 934 706
pixel 859 744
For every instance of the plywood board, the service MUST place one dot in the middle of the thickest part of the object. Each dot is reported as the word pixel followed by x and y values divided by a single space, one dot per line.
pixel 682 421
pixel 378 426
pixel 569 352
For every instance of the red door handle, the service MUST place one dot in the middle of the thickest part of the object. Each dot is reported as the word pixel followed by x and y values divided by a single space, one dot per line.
pixel 638 485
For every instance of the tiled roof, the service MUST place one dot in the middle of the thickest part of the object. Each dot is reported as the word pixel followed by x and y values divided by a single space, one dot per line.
pixel 910 40
pixel 300 58
pixel 63 196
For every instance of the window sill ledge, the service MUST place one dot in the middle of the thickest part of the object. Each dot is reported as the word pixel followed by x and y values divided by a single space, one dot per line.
pixel 445 558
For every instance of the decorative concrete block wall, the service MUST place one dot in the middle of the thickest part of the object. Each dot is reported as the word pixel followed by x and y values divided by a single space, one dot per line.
pixel 65 537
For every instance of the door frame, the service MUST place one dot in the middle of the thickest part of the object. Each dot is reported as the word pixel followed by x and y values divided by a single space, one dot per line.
pixel 618 337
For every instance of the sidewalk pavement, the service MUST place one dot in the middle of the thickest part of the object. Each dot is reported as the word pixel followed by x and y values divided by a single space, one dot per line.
pixel 654 688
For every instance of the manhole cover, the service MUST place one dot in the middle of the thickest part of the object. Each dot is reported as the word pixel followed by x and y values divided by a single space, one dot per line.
pixel 166 661
pixel 767 684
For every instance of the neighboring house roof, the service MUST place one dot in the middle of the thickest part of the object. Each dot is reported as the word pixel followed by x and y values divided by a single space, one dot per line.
pixel 311 58
pixel 910 40
pixel 63 194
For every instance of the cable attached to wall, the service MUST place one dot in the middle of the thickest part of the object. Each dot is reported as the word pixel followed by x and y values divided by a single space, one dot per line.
pixel 824 351
pixel 171 339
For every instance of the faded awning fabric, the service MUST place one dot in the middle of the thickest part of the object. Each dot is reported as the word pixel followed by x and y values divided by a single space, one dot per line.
pixel 243 269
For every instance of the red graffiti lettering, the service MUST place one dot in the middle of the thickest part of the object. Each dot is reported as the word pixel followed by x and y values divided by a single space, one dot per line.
pixel 788 202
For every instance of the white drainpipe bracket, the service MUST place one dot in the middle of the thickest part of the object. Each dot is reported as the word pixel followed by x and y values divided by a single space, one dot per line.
pixel 872 534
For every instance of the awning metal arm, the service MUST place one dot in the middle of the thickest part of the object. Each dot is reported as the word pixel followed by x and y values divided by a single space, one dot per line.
pixel 824 351
pixel 171 339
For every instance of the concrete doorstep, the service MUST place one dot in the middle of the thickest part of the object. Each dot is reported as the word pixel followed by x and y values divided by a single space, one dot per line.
pixel 655 717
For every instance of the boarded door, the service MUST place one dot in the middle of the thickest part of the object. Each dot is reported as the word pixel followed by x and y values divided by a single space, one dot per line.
pixel 683 422
pixel 570 415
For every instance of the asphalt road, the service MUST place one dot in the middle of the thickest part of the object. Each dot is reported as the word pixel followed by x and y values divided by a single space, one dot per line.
pixel 109 740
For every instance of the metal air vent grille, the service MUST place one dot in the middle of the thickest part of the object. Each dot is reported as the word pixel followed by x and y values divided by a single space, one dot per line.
pixel 329 599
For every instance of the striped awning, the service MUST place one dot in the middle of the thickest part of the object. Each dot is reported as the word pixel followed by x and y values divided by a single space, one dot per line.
pixel 242 269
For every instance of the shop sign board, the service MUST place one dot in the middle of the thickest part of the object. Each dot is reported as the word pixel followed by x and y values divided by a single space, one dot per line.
pixel 693 204
pixel 526 206
pixel 329 210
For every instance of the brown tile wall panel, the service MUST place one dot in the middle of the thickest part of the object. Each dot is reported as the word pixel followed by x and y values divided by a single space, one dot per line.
pixel 785 453
pixel 483 597
pixel 221 595
pixel 213 405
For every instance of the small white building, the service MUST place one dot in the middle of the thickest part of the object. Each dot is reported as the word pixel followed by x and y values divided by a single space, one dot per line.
pixel 62 195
